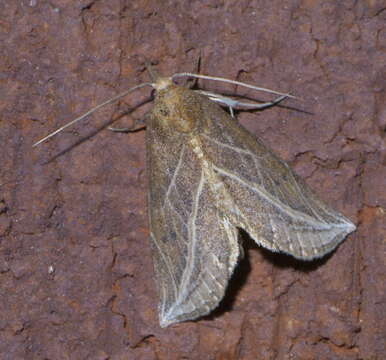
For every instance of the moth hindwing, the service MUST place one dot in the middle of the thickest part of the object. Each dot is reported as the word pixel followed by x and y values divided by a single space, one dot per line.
pixel 209 176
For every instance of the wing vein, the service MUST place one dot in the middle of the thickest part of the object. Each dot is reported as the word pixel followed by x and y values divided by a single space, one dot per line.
pixel 193 244
pixel 305 201
pixel 295 214
pixel 177 169
pixel 234 148
pixel 166 263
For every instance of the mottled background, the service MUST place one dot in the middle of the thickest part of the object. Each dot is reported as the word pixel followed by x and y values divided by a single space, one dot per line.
pixel 76 275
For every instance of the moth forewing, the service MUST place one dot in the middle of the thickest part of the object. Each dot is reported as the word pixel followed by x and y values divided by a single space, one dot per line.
pixel 207 177
pixel 272 203
pixel 195 247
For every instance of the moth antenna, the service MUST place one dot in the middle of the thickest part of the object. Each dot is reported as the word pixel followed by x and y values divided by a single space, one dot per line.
pixel 232 82
pixel 115 98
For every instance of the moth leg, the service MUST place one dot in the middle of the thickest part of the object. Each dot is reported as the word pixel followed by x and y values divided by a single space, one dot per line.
pixel 233 104
pixel 260 106
pixel 132 128
pixel 222 100
pixel 122 130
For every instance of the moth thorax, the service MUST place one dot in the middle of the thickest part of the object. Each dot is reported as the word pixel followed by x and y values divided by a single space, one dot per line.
pixel 176 109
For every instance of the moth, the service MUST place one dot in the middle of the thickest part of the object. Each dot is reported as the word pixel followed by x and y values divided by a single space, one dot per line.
pixel 208 177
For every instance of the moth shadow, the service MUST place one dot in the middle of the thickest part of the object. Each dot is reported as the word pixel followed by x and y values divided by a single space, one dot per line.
pixel 283 261
pixel 98 130
pixel 238 279
pixel 243 270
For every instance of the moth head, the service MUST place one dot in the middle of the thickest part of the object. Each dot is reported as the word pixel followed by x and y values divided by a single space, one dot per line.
pixel 162 83
pixel 175 107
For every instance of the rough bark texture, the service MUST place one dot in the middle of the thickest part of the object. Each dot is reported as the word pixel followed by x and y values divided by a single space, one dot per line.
pixel 76 276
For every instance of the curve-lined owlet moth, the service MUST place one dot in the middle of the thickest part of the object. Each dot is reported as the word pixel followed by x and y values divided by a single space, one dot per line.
pixel 208 176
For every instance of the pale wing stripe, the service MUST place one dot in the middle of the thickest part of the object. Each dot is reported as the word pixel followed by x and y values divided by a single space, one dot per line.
pixel 305 200
pixel 257 170
pixel 239 150
pixel 215 280
pixel 234 148
pixel 163 299
pixel 166 263
pixel 295 236
pixel 280 205
pixel 275 232
pixel 274 188
pixel 279 214
pixel 192 249
pixel 207 286
pixel 177 169
pixel 314 246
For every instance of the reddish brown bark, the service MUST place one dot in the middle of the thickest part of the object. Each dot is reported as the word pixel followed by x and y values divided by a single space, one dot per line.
pixel 76 276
